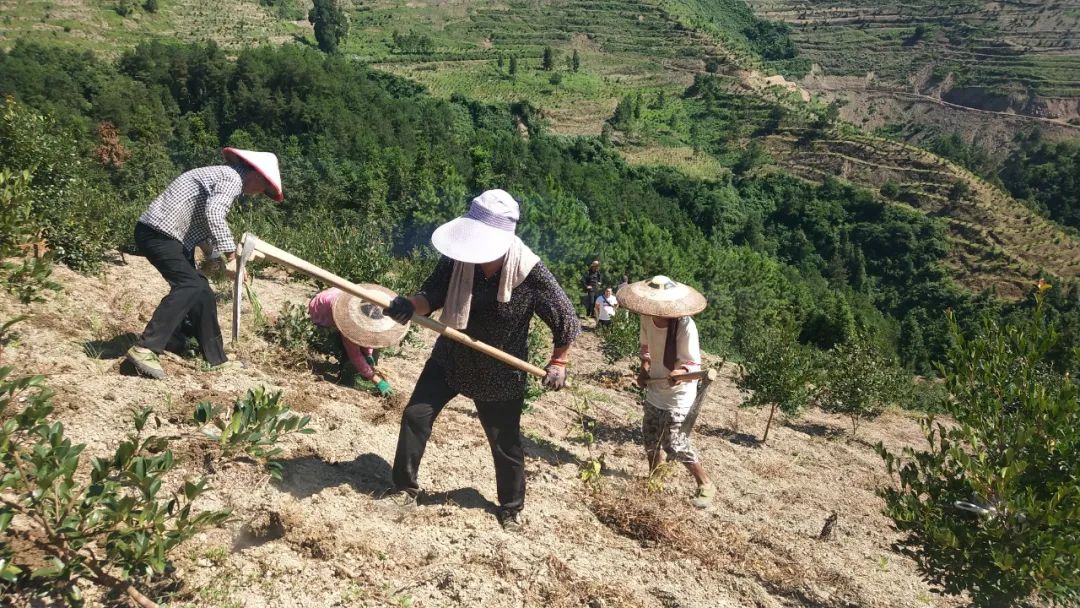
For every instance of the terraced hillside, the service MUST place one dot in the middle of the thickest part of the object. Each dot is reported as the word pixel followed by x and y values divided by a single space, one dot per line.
pixel 110 27
pixel 454 48
pixel 651 49
pixel 995 241
pixel 892 59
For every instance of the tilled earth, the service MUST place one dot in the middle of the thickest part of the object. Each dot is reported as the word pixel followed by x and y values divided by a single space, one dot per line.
pixel 320 537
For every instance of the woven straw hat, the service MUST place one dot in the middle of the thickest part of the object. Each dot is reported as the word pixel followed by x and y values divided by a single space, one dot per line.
pixel 265 163
pixel 363 323
pixel 661 297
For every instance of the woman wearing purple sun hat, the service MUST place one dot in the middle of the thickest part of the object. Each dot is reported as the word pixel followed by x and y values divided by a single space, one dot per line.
pixel 488 285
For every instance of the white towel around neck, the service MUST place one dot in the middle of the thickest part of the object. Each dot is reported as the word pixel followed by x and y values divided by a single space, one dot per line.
pixel 517 264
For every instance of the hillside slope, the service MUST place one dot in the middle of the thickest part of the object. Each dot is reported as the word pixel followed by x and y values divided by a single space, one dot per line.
pixel 1015 57
pixel 319 538
pixel 647 48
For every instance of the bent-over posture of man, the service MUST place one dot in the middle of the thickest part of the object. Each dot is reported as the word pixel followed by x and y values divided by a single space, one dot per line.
pixel 190 212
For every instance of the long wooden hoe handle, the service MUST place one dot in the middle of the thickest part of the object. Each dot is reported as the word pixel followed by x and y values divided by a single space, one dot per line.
pixel 287 259
pixel 704 374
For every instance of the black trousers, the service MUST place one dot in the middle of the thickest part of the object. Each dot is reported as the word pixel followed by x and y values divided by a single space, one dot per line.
pixel 502 424
pixel 189 308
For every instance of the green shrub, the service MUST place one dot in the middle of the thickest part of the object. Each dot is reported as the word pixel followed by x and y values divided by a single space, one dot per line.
pixel 992 507
pixel 622 338
pixel 539 349
pixel 292 330
pixel 253 427
pixel 17 226
pixel 26 280
pixel 858 380
pixel 73 209
pixel 775 371
pixel 114 527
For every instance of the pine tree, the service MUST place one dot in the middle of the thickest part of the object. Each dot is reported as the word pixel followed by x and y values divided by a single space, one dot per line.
pixel 549 59
pixel 331 25
pixel 575 61
pixel 513 65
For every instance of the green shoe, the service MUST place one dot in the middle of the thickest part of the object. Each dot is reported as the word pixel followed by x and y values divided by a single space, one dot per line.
pixel 146 362
pixel 703 498
pixel 228 366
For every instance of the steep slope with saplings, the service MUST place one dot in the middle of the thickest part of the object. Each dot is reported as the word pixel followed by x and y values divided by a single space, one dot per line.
pixel 319 536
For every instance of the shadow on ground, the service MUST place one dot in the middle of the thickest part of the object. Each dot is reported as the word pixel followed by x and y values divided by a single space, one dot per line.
pixel 464 498
pixel 815 429
pixel 738 438
pixel 113 348
pixel 308 475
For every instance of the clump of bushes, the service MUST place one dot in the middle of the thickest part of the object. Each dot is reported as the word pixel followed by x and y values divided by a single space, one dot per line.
pixel 115 529
pixel 991 506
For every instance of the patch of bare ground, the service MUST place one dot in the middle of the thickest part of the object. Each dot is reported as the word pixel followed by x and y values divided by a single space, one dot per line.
pixel 321 537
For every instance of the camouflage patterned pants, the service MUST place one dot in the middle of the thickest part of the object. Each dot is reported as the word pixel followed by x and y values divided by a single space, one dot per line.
pixel 669 430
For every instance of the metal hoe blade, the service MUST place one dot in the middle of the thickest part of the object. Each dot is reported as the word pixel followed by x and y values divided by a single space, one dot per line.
pixel 248 244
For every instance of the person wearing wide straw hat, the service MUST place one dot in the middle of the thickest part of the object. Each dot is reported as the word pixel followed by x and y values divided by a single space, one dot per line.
pixel 363 328
pixel 669 349
pixel 488 284
pixel 189 213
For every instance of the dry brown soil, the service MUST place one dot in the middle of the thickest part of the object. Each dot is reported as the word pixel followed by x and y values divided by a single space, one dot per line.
pixel 321 538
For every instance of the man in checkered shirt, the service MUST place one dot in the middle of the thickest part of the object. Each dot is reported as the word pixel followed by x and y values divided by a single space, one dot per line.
pixel 189 213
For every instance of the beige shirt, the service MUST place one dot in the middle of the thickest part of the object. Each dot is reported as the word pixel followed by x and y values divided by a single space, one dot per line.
pixel 687 356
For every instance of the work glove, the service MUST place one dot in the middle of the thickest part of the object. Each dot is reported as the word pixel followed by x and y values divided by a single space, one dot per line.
pixel 555 378
pixel 384 388
pixel 401 310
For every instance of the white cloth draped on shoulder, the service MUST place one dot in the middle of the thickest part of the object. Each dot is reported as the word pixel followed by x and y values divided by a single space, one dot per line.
pixel 517 264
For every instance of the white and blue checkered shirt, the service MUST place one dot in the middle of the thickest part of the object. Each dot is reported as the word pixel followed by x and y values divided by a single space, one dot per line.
pixel 193 208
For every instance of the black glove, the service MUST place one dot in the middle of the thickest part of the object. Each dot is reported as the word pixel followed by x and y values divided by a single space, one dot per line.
pixel 401 310
pixel 555 378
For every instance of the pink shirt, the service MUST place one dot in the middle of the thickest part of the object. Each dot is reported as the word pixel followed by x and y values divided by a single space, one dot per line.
pixel 321 311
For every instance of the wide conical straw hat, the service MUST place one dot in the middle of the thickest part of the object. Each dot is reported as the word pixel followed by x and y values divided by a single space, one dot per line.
pixel 661 297
pixel 264 162
pixel 363 323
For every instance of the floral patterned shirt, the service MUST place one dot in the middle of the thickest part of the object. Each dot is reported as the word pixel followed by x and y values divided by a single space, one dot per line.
pixel 502 325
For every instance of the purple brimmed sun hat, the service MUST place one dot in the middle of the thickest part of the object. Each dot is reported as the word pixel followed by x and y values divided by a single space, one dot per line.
pixel 484 234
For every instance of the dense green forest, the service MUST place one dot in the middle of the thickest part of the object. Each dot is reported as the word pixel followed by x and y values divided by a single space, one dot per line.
pixel 1046 176
pixel 371 164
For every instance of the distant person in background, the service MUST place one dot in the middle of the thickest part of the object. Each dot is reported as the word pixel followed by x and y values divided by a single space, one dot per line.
pixel 592 281
pixel 606 306
pixel 669 349
pixel 624 283
pixel 190 212
pixel 363 329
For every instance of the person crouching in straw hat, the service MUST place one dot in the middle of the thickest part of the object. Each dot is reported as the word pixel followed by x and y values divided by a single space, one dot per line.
pixel 488 284
pixel 191 212
pixel 669 349
pixel 358 323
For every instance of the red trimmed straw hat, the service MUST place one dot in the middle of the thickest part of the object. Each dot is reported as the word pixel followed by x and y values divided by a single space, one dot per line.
pixel 484 234
pixel 661 297
pixel 363 323
pixel 263 162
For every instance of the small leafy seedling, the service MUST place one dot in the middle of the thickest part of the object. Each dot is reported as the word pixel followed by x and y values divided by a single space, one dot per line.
pixel 253 427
